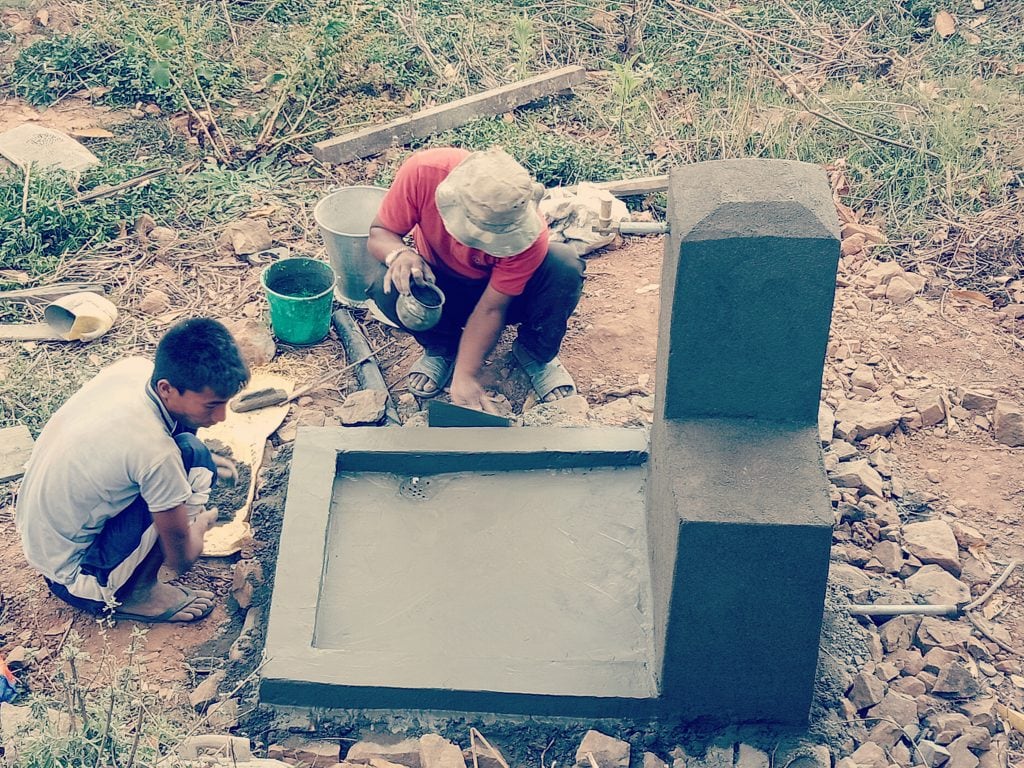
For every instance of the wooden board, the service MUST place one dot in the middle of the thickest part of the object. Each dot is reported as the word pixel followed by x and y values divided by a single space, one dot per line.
pixel 47 293
pixel 370 141
pixel 28 332
pixel 245 434
pixel 642 186
pixel 15 448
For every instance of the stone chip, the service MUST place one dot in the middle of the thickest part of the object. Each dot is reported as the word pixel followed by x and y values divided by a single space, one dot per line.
pixel 933 541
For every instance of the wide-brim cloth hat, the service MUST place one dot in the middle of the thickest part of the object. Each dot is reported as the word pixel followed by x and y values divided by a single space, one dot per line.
pixel 489 202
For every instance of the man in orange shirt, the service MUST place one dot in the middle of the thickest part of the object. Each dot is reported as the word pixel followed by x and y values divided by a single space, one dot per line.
pixel 478 235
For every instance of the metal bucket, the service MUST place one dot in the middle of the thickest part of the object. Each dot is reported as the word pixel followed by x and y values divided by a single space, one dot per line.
pixel 344 218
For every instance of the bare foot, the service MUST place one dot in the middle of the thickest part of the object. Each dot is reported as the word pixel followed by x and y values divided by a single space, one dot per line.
pixel 160 601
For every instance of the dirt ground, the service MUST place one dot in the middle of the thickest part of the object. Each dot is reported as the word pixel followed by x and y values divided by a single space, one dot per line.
pixel 610 348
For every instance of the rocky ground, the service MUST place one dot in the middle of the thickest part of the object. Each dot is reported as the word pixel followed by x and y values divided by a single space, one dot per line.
pixel 922 428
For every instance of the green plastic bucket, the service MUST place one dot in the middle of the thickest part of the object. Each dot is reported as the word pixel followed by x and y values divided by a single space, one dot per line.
pixel 300 292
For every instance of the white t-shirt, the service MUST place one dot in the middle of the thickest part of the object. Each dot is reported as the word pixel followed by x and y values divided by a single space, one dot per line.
pixel 109 443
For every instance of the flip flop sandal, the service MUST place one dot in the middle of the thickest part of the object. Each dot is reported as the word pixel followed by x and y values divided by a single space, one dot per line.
pixel 437 368
pixel 189 596
pixel 544 377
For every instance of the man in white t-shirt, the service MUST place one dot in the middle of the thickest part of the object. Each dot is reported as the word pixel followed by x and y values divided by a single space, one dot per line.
pixel 117 482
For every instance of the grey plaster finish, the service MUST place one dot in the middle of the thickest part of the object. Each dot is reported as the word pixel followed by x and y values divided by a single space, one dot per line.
pixel 528 582
pixel 536 602
pixel 747 284
pixel 744 581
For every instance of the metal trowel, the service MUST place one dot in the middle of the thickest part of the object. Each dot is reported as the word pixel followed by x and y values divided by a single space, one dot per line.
pixel 441 414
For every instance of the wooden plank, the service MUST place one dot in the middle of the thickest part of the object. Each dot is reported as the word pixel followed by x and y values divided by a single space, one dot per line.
pixel 47 293
pixel 28 332
pixel 370 141
pixel 15 448
pixel 642 186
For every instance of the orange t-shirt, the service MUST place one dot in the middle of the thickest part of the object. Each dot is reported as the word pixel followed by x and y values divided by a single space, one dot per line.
pixel 409 206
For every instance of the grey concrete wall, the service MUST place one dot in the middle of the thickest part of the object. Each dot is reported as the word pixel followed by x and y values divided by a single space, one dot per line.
pixel 739 520
pixel 750 277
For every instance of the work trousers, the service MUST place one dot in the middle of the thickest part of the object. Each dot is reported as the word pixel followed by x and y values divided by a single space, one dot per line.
pixel 542 310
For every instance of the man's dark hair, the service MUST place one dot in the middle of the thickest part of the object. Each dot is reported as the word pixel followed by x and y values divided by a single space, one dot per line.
pixel 199 353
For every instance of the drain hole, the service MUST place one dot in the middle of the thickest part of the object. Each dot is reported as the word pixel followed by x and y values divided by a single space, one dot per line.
pixel 417 488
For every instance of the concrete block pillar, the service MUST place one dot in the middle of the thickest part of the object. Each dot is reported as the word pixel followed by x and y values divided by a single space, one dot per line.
pixel 739 517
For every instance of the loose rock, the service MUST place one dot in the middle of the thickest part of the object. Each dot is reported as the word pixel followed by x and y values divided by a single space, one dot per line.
pixel 155 302
pixel 363 407
pixel 858 420
pixel 405 752
pixel 932 541
pixel 1008 424
pixel 866 691
pixel 956 681
pixel 932 408
pixel 254 340
pixel 860 475
pixel 938 587
pixel 437 752
pixel 245 237
pixel 607 751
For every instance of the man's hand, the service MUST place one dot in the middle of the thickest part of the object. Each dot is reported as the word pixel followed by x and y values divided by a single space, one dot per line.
pixel 467 392
pixel 205 519
pixel 407 267
pixel 226 470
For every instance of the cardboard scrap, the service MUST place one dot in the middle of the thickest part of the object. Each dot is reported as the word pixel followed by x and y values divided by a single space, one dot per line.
pixel 32 144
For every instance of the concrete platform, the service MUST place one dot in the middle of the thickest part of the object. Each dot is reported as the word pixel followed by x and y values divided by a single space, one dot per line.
pixel 466 576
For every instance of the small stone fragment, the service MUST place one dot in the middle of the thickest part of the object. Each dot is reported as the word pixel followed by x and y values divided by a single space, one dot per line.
pixel 864 376
pixel 620 412
pixel 870 755
pixel 437 752
pixel 938 587
pixel 363 407
pixel 246 237
pixel 405 752
pixel 932 541
pixel 980 400
pixel 899 290
pixel 956 681
pixel 866 691
pixel 163 235
pixel 223 715
pixel 885 734
pixel 898 633
pixel 858 474
pixel 895 706
pixel 826 423
pixel 960 755
pixel 155 302
pixel 607 751
pixel 316 753
pixel 947 726
pixel 1008 424
pixel 858 420
pixel 935 632
pixel 651 760
pixel 931 407
pixel 255 342
pixel 890 555
pixel 934 755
